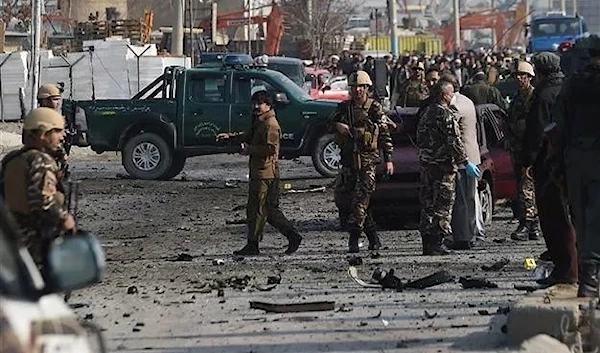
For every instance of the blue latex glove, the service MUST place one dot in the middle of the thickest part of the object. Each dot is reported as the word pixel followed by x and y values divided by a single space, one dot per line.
pixel 472 170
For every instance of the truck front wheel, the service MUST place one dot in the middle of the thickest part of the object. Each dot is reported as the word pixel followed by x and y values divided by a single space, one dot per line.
pixel 327 156
pixel 147 156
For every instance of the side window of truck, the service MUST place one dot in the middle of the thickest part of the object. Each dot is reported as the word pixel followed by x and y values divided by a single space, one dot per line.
pixel 245 87
pixel 208 89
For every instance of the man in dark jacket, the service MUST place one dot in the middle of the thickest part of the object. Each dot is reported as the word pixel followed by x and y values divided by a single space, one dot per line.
pixel 557 228
pixel 480 92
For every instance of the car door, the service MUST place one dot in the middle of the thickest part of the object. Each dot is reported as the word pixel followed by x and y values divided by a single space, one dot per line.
pixel 245 84
pixel 207 107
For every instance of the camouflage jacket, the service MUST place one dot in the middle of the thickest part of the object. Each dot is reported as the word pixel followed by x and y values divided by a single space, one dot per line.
pixel 31 190
pixel 412 93
pixel 370 129
pixel 438 138
pixel 517 117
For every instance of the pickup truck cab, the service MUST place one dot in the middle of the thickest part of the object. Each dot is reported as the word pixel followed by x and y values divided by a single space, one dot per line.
pixel 180 114
pixel 33 318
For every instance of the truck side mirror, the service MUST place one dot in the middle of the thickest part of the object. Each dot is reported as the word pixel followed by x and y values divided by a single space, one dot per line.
pixel 75 262
pixel 282 98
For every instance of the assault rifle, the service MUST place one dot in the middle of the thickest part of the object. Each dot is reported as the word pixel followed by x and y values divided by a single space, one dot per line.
pixel 353 135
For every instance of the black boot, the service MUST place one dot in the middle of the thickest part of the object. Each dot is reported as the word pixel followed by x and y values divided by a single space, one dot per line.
pixel 435 248
pixel 374 242
pixel 521 233
pixel 353 241
pixel 588 280
pixel 294 243
pixel 534 231
pixel 250 249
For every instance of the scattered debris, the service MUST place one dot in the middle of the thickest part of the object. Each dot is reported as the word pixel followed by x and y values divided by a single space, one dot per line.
pixel 132 290
pixel 140 324
pixel 78 305
pixel 218 262
pixel 355 261
pixel 480 283
pixel 126 314
pixel 266 288
pixel 239 208
pixel 274 279
pixel 459 326
pixel 353 272
pixel 500 240
pixel 303 318
pixel 220 293
pixel 435 279
pixel 386 279
pixel 183 257
pixel 375 255
pixel 430 316
pixel 89 317
pixel 344 309
pixel 220 322
pixel 385 322
pixel 302 191
pixel 497 266
pixel 232 184
pixel 378 315
pixel 363 323
pixel 236 221
pixel 136 329
pixel 293 307
pixel 483 312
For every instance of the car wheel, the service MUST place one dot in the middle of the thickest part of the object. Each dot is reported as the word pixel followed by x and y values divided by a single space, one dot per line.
pixel 147 156
pixel 327 156
pixel 486 200
pixel 176 166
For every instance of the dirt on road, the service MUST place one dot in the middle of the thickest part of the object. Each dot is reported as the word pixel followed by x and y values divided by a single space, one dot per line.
pixel 171 283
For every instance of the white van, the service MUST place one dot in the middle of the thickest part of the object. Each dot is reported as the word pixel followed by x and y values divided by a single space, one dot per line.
pixel 33 317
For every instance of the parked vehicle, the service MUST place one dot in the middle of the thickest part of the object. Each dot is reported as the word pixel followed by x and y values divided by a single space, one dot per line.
pixel 180 114
pixel 547 33
pixel 29 305
pixel 400 192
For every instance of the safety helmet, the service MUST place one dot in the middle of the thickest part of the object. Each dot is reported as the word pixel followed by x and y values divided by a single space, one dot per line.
pixel 419 66
pixel 526 67
pixel 48 90
pixel 44 119
pixel 359 78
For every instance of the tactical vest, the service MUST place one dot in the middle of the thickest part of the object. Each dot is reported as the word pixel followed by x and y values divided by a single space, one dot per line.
pixel 365 131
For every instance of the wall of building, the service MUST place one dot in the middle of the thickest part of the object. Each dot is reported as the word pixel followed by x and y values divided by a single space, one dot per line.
pixel 79 10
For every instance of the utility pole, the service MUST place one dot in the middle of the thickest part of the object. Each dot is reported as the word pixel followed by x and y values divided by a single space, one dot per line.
pixel 309 9
pixel 213 24
pixel 249 27
pixel 563 6
pixel 36 28
pixel 177 35
pixel 456 25
pixel 393 10
pixel 574 7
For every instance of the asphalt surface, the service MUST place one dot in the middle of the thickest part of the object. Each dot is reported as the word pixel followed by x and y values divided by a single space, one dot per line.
pixel 161 291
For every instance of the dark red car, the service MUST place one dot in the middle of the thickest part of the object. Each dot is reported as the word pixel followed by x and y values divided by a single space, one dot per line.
pixel 400 192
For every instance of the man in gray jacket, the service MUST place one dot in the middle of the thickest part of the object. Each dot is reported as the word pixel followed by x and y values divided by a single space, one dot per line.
pixel 464 226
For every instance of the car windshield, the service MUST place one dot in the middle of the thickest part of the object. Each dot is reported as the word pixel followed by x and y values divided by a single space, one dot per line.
pixel 294 71
pixel 556 27
pixel 293 89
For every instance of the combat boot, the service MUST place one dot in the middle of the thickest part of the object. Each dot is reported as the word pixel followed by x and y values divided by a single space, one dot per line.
pixel 249 250
pixel 589 280
pixel 534 231
pixel 374 242
pixel 527 230
pixel 353 241
pixel 294 243
pixel 435 248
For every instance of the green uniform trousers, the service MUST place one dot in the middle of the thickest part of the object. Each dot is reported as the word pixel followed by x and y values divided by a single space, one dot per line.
pixel 263 207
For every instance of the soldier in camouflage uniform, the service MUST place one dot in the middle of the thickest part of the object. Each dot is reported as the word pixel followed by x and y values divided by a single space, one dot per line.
pixel 50 96
pixel 31 187
pixel 360 141
pixel 577 138
pixel 441 152
pixel 517 116
pixel 415 90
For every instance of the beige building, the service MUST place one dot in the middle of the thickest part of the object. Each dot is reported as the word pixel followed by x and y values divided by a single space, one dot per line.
pixel 79 10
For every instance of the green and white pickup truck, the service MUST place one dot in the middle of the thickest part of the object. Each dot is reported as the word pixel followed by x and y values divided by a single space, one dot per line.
pixel 181 112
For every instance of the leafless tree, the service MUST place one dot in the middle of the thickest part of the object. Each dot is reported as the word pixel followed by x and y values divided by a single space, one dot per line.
pixel 323 26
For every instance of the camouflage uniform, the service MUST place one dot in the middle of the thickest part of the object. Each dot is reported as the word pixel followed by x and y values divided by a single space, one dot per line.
pixel 355 183
pixel 515 130
pixel 31 189
pixel 441 152
pixel 413 93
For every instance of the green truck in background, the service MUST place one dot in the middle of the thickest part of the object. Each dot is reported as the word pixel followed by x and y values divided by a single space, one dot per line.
pixel 181 112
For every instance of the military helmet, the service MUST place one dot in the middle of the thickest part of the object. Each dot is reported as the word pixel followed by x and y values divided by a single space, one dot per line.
pixel 48 90
pixel 359 78
pixel 526 67
pixel 44 119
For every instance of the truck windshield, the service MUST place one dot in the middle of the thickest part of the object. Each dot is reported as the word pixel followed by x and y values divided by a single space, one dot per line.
pixel 293 89
pixel 556 27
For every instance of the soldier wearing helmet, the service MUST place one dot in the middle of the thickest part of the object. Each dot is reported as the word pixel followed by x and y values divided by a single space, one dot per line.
pixel 31 186
pixel 515 129
pixel 577 139
pixel 415 90
pixel 50 96
pixel 361 130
